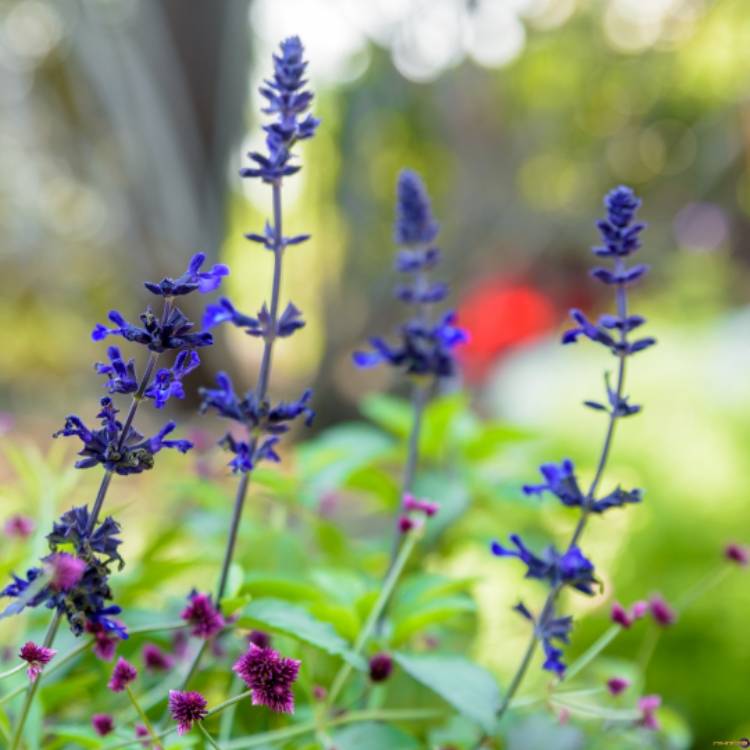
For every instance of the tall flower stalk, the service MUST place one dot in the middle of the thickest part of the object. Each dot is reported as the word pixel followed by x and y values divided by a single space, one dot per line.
pixel 262 421
pixel 571 569
pixel 424 352
pixel 76 586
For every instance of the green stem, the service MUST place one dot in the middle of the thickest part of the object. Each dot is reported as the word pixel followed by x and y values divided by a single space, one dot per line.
pixel 158 627
pixel 34 686
pixel 227 719
pixel 592 651
pixel 276 735
pixel 714 578
pixel 143 716
pixel 648 647
pixel 13 671
pixel 385 594
pixel 211 741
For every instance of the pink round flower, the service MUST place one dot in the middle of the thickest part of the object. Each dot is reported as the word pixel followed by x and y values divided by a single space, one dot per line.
pixel 419 505
pixel 36 657
pixel 260 639
pixel 103 724
pixel 661 611
pixel 19 527
pixel 269 676
pixel 155 659
pixel 205 619
pixel 186 707
pixel 381 666
pixel 617 685
pixel 65 570
pixel 105 644
pixel 620 615
pixel 648 705
pixel 737 553
pixel 123 674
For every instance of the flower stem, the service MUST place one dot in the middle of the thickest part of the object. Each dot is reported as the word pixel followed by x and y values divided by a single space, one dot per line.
pixel 93 518
pixel 13 671
pixel 592 651
pixel 144 717
pixel 211 741
pixel 580 526
pixel 33 687
pixel 232 539
pixel 277 735
pixel 385 594
pixel 418 401
pixel 260 394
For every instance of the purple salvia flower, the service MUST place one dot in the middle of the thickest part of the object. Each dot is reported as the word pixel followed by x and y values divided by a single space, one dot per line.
pixel 103 724
pixel 192 280
pixel 415 224
pixel 425 347
pixel 37 657
pixel 167 382
pixel 571 568
pixel 186 707
pixel 287 100
pixel 205 619
pixel 270 677
pixel 123 674
pixel 109 447
pixel 121 377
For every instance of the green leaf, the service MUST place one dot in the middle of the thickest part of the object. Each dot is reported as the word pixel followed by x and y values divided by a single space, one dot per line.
pixel 289 619
pixel 469 688
pixel 370 735
pixel 343 618
pixel 490 439
pixel 389 412
pixel 450 492
pixel 440 417
pixel 424 587
pixel 327 462
pixel 541 732
pixel 431 613
pixel 279 587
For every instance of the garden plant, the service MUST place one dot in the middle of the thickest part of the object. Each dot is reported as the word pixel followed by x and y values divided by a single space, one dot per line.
pixel 331 622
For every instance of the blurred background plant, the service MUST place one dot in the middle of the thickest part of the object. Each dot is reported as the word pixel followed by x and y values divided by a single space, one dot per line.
pixel 121 133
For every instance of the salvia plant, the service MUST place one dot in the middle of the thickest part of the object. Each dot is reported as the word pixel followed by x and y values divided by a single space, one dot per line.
pixel 73 580
pixel 350 643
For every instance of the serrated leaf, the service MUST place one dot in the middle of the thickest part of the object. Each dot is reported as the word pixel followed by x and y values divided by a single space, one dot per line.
pixel 296 622
pixel 466 686
pixel 373 736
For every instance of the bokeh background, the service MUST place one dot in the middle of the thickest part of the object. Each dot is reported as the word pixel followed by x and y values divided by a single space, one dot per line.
pixel 123 124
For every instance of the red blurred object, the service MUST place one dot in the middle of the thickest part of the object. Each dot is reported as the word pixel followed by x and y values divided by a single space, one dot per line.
pixel 499 315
